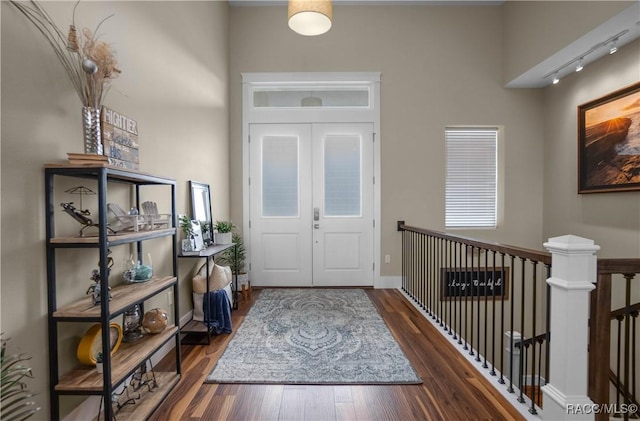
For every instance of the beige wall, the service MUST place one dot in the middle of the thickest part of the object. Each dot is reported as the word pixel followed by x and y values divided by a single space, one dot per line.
pixel 535 30
pixel 440 66
pixel 174 82
pixel 611 219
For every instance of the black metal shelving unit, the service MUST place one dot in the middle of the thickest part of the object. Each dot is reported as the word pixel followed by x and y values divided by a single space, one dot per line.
pixel 85 380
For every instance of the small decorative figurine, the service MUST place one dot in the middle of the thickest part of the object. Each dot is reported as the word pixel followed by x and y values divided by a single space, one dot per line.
pixel 81 217
pixel 96 287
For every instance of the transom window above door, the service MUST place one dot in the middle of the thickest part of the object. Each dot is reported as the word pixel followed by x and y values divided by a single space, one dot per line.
pixel 311 96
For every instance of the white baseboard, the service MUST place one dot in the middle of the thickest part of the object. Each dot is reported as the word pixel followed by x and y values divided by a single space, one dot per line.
pixel 386 282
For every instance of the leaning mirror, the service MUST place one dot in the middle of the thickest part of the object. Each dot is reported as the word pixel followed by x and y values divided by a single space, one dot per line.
pixel 201 209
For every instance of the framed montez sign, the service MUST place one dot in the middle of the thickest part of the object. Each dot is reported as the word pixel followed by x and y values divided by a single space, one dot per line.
pixel 609 142
pixel 479 282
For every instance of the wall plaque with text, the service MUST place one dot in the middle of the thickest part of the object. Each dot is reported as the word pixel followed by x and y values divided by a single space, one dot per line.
pixel 479 282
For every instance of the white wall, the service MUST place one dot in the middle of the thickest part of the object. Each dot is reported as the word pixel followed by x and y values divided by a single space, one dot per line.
pixel 440 66
pixel 612 220
pixel 174 82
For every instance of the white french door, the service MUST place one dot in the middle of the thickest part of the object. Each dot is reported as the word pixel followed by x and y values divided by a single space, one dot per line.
pixel 311 204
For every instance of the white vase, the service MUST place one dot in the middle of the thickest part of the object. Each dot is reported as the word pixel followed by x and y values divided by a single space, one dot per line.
pixel 223 238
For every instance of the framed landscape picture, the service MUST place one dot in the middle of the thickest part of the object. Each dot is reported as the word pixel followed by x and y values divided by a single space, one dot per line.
pixel 609 142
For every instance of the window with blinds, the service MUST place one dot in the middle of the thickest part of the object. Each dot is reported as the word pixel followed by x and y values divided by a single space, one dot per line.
pixel 472 178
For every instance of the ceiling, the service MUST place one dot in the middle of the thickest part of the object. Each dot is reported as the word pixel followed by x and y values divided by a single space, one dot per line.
pixel 565 60
pixel 590 47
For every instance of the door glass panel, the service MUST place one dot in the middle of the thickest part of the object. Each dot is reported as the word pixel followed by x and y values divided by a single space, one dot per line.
pixel 280 176
pixel 342 175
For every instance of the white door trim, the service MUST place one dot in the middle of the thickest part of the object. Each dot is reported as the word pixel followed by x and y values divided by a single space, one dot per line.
pixel 370 114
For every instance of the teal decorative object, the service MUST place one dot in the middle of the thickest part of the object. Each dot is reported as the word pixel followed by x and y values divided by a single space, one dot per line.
pixel 143 272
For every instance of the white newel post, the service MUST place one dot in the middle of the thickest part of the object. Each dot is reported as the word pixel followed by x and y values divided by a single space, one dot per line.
pixel 573 272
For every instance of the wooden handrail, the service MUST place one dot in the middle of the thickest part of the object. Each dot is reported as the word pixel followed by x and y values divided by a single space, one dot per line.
pixel 539 339
pixel 534 255
pixel 621 312
pixel 622 266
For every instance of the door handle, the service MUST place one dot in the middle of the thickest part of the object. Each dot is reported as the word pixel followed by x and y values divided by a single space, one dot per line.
pixel 316 214
pixel 316 226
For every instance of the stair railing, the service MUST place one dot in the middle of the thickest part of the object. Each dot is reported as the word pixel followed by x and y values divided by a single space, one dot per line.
pixel 619 347
pixel 490 298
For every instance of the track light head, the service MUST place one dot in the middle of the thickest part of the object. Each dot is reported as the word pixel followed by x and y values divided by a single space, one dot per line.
pixel 579 66
pixel 614 47
pixel 556 79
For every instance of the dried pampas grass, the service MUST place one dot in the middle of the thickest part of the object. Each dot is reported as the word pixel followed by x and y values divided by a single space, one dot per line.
pixel 89 62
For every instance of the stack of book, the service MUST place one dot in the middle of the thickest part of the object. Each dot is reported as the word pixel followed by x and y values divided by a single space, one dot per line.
pixel 87 159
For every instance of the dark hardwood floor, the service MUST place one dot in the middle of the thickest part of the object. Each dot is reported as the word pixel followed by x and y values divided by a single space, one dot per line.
pixel 452 389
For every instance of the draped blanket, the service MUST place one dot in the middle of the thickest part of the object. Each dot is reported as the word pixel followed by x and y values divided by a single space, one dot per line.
pixel 217 311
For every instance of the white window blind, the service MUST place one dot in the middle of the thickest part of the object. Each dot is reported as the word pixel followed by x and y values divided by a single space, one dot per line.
pixel 472 178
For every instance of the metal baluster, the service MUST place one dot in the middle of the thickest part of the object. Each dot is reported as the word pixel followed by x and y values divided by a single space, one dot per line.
pixel 522 304
pixel 524 358
pixel 504 286
pixel 511 317
pixel 452 319
pixel 486 303
pixel 633 360
pixel 437 283
pixel 456 296
pixel 466 297
pixel 627 340
pixel 493 316
pixel 459 292
pixel 534 379
pixel 619 319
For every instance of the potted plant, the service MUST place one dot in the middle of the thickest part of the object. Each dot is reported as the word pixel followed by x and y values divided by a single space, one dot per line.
pixel 16 398
pixel 234 258
pixel 188 242
pixel 223 234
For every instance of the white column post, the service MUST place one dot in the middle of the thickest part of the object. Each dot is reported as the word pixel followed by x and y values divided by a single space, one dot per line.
pixel 573 272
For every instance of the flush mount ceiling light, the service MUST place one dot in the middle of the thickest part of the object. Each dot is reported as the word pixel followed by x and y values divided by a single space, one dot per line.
pixel 309 17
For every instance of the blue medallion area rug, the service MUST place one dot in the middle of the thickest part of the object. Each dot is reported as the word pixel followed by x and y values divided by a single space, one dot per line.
pixel 313 336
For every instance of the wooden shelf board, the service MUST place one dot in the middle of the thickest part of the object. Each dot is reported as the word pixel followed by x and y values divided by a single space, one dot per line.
pixel 194 326
pixel 149 401
pixel 113 172
pixel 129 356
pixel 117 238
pixel 210 251
pixel 123 296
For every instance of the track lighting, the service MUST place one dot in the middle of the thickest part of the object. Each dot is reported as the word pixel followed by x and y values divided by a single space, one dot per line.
pixel 612 42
